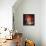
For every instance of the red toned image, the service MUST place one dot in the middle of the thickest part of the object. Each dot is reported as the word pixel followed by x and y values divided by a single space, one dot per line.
pixel 28 19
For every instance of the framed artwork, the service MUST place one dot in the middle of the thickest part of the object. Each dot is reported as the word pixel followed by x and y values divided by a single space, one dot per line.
pixel 29 19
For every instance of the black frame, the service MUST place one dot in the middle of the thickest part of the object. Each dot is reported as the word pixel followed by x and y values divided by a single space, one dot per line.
pixel 30 15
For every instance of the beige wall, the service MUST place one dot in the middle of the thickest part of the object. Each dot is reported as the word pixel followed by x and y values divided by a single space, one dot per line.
pixel 28 7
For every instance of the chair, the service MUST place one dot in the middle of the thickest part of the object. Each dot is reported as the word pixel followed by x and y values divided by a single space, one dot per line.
pixel 18 39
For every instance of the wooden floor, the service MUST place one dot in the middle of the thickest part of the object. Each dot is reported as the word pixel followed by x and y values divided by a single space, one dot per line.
pixel 9 43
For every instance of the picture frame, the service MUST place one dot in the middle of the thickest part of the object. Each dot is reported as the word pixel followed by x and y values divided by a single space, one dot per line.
pixel 29 19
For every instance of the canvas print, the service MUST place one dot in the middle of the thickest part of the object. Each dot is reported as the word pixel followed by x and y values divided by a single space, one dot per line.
pixel 28 19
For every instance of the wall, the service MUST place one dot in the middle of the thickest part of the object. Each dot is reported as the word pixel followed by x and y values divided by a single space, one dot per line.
pixel 43 22
pixel 6 13
pixel 29 32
